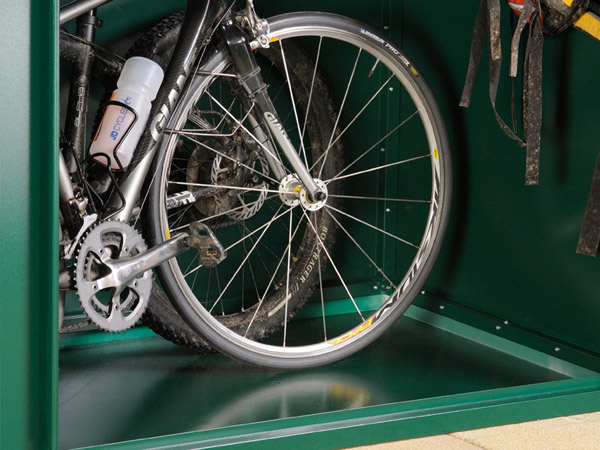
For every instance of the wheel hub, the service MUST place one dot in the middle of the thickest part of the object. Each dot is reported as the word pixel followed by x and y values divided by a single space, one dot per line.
pixel 292 193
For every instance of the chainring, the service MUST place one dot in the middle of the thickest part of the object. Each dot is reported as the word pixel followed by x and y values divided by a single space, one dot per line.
pixel 114 309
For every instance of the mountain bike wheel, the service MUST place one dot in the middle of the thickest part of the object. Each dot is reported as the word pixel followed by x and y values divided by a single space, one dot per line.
pixel 369 129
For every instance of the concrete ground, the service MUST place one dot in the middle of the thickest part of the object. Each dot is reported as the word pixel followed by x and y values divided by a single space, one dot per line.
pixel 580 432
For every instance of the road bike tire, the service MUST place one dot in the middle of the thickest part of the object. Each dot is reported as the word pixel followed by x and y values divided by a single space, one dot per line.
pixel 389 224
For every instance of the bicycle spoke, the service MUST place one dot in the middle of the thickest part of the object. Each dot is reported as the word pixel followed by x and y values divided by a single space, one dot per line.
pixel 245 129
pixel 261 299
pixel 321 287
pixel 279 91
pixel 256 230
pixel 244 261
pixel 243 231
pixel 223 186
pixel 340 112
pixel 224 213
pixel 190 265
pixel 210 131
pixel 210 272
pixel 287 280
pixel 360 112
pixel 266 247
pixel 393 130
pixel 385 166
pixel 312 85
pixel 218 289
pixel 243 284
pixel 180 216
pixel 379 199
pixel 195 269
pixel 334 267
pixel 293 100
pixel 372 226
pixel 264 175
pixel 362 250
pixel 194 281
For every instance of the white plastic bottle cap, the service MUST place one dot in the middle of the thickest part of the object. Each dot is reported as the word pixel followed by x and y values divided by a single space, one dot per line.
pixel 142 74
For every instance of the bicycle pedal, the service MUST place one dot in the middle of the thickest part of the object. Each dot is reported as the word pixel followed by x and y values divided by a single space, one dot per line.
pixel 202 238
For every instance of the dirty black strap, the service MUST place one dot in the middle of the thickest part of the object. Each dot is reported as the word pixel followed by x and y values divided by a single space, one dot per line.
pixel 589 237
pixel 477 42
pixel 532 98
pixel 487 22
pixel 525 16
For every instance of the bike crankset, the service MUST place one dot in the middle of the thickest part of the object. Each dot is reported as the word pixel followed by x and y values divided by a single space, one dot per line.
pixel 112 306
pixel 113 277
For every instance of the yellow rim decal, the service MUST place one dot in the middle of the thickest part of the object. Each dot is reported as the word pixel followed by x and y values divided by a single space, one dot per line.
pixel 273 39
pixel 168 234
pixel 360 329
pixel 414 71
pixel 435 153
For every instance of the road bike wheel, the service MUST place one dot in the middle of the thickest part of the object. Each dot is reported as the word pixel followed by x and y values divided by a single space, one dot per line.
pixel 370 130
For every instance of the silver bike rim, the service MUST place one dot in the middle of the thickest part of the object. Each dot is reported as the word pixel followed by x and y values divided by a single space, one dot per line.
pixel 373 321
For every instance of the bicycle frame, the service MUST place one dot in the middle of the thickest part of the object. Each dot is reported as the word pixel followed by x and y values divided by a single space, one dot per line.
pixel 200 19
pixel 198 23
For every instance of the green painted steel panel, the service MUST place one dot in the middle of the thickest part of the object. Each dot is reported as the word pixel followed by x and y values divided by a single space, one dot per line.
pixel 509 253
pixel 146 389
pixel 510 250
pixel 28 198
pixel 391 422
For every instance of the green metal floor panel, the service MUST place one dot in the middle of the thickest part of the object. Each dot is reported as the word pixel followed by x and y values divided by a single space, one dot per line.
pixel 141 389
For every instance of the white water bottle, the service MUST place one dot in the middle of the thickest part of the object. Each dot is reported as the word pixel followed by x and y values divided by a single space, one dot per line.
pixel 123 123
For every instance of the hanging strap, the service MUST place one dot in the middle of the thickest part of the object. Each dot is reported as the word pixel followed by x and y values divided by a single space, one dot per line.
pixel 590 229
pixel 532 100
pixel 488 23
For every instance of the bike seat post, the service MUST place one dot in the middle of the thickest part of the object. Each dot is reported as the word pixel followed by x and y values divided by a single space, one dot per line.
pixel 79 88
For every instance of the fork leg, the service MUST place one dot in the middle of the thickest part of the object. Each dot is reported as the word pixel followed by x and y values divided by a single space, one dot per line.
pixel 255 88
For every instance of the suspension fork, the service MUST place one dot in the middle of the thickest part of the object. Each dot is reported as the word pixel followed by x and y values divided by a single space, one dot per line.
pixel 255 90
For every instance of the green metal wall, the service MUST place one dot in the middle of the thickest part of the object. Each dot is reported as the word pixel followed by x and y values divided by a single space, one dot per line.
pixel 510 250
pixel 29 224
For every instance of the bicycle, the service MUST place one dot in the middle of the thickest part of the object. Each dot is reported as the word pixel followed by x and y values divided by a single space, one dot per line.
pixel 266 222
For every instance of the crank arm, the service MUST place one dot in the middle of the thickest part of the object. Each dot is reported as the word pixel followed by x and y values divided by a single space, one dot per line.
pixel 125 270
pixel 122 271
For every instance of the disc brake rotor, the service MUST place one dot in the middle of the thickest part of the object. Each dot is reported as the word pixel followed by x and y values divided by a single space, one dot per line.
pixel 240 204
pixel 114 309
pixel 229 163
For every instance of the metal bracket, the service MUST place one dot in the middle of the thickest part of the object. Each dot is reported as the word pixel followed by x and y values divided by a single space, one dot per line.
pixel 258 27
